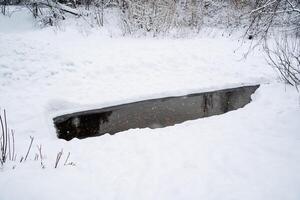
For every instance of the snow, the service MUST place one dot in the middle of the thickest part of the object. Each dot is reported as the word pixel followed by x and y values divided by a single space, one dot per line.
pixel 251 153
pixel 16 21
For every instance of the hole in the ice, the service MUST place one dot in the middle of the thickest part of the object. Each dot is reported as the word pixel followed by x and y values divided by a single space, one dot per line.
pixel 153 113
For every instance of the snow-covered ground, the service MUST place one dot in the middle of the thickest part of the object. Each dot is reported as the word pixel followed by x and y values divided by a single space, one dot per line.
pixel 251 153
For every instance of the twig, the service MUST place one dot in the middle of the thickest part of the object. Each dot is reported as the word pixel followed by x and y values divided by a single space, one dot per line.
pixel 263 7
pixel 13 144
pixel 41 155
pixel 3 139
pixel 36 157
pixel 60 7
pixel 59 154
pixel 66 161
pixel 8 141
pixel 31 141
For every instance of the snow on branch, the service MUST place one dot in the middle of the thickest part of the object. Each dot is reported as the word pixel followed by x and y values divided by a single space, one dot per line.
pixel 59 6
pixel 268 13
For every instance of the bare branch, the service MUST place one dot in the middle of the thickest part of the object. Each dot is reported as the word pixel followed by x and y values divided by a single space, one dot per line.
pixel 58 156
pixel 31 141
pixel 41 155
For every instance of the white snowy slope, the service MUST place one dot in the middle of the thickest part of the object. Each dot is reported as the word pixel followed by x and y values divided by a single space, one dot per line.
pixel 250 153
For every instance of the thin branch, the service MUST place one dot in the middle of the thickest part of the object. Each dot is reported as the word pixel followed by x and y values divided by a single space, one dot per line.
pixel 31 141
pixel 6 135
pixel 41 155
pixel 58 156
pixel 8 141
pixel 268 3
pixel 13 144
pixel 66 161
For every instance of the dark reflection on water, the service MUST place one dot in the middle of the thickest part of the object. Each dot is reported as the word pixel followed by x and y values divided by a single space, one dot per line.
pixel 154 113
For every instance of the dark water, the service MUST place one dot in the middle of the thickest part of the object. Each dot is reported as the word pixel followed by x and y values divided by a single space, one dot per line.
pixel 153 113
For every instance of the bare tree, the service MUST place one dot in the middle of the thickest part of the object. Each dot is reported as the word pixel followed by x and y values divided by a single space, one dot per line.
pixel 270 13
pixel 285 54
pixel 285 57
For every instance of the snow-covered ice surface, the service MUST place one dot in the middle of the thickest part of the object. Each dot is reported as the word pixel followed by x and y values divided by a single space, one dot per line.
pixel 251 153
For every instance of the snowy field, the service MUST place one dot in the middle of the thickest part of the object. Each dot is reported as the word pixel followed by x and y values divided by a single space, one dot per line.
pixel 250 153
